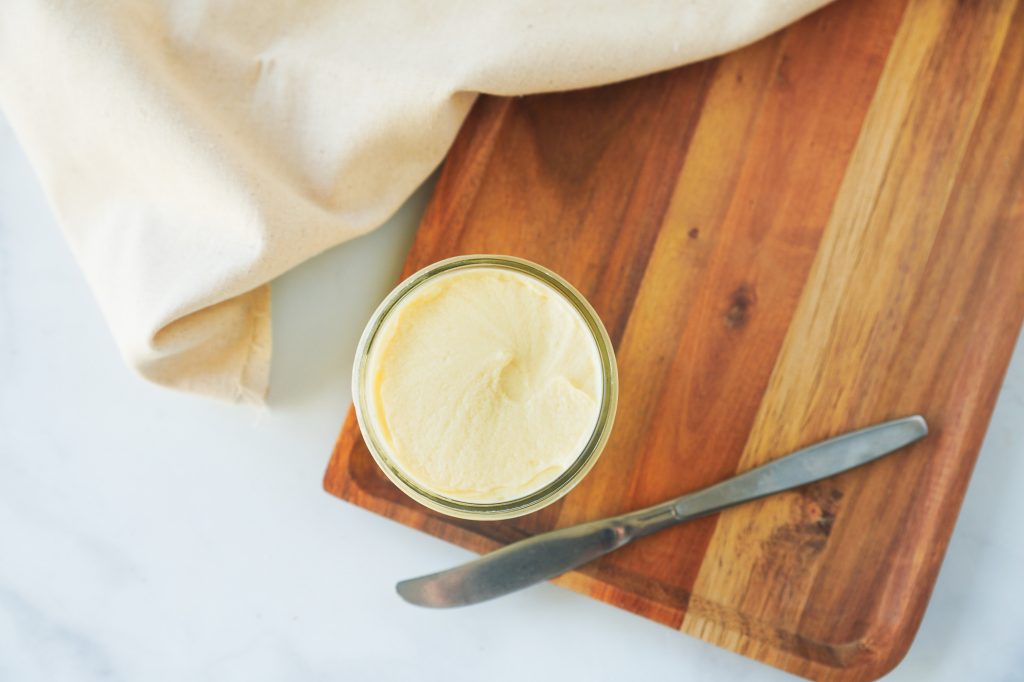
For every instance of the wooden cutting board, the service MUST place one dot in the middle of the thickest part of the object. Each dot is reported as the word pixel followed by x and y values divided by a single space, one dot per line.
pixel 818 232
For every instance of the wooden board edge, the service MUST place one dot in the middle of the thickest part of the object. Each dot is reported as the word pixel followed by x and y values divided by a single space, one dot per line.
pixel 880 651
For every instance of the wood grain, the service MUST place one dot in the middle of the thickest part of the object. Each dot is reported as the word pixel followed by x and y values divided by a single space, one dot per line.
pixel 820 231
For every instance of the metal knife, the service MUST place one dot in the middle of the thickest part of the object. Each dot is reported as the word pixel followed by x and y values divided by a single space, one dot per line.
pixel 547 555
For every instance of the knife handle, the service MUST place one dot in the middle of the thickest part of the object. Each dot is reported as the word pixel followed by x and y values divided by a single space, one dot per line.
pixel 808 465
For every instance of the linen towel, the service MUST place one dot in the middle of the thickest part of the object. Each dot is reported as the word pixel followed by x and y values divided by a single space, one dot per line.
pixel 193 150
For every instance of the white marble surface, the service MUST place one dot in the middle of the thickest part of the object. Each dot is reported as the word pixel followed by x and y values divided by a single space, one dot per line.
pixel 148 535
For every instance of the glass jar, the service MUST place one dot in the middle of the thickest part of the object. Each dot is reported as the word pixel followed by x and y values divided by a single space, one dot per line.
pixel 538 499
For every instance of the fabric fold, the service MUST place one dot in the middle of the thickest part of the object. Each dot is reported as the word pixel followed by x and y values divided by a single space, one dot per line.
pixel 195 150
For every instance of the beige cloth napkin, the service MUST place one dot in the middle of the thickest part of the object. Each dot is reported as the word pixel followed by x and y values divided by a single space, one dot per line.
pixel 193 150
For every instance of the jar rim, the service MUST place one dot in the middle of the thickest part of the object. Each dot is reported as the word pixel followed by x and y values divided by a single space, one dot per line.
pixel 572 474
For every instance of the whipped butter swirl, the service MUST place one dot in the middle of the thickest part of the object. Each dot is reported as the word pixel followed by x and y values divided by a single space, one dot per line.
pixel 484 384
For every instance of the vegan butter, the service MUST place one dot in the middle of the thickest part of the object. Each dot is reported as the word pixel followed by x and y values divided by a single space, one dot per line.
pixel 484 384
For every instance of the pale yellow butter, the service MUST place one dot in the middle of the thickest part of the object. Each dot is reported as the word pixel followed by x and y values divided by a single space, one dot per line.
pixel 485 384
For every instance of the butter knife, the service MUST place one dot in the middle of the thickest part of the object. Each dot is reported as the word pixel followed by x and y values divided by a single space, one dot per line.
pixel 547 555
